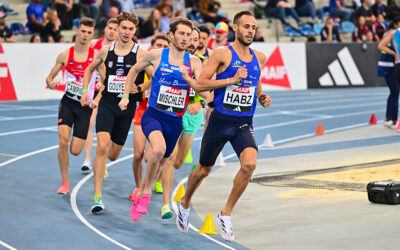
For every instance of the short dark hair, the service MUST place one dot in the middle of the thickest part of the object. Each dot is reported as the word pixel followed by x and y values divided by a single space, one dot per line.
pixel 157 37
pixel 180 20
pixel 126 16
pixel 396 19
pixel 204 29
pixel 242 13
pixel 89 22
pixel 197 30
pixel 112 20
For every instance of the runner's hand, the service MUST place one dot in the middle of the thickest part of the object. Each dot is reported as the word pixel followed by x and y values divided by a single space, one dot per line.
pixel 265 100
pixel 93 104
pixel 84 99
pixel 241 73
pixel 53 85
pixel 183 70
pixel 99 84
pixel 194 108
pixel 123 104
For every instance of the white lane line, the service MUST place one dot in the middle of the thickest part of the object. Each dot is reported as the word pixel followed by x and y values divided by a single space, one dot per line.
pixel 27 155
pixel 308 97
pixel 5 118
pixel 27 130
pixel 7 246
pixel 78 214
pixel 175 208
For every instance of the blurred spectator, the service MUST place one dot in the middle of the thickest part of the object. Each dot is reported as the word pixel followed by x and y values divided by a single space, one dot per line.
pixel 180 13
pixel 53 25
pixel 151 25
pixel 370 36
pixel 306 8
pixel 258 36
pixel 179 5
pixel 338 8
pixel 392 10
pixel 203 41
pixel 366 11
pixel 102 21
pixel 127 5
pixel 208 10
pixel 64 11
pixel 211 28
pixel 35 38
pixel 109 9
pixel 379 27
pixel 49 39
pixel 221 33
pixel 165 19
pixel 280 9
pixel 379 8
pixel 361 30
pixel 35 14
pixel 5 33
pixel 91 7
pixel 330 33
pixel 160 6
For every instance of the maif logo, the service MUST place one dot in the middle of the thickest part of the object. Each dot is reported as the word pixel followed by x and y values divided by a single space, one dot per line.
pixel 7 91
pixel 342 71
pixel 274 71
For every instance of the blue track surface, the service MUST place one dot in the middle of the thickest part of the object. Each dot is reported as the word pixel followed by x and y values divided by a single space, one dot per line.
pixel 34 216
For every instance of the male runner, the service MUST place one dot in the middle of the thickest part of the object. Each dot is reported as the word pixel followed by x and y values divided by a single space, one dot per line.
pixel 112 124
pixel 238 68
pixel 221 34
pixel 162 121
pixel 110 34
pixel 203 41
pixel 139 139
pixel 75 59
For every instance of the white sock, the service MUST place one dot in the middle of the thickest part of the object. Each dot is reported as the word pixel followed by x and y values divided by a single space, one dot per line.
pixel 87 163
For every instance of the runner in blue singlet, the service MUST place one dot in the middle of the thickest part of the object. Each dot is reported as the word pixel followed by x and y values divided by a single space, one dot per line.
pixel 236 89
pixel 162 121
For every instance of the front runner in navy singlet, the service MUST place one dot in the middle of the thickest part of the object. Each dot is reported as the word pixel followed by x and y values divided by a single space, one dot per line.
pixel 162 121
pixel 238 68
pixel 71 114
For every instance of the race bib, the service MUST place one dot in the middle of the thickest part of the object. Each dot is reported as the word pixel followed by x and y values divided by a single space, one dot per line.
pixel 192 93
pixel 239 98
pixel 116 84
pixel 171 99
pixel 74 87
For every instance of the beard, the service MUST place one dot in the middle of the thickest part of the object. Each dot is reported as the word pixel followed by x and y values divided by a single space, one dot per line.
pixel 240 38
pixel 191 49
pixel 201 46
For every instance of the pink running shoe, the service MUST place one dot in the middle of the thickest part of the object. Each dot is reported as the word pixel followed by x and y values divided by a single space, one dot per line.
pixel 133 196
pixel 64 189
pixel 143 206
pixel 135 215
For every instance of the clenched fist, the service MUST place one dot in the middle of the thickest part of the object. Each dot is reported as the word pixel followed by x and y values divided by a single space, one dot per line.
pixel 265 100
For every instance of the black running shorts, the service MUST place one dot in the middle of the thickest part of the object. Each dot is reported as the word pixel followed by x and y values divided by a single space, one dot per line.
pixel 71 113
pixel 110 118
pixel 221 129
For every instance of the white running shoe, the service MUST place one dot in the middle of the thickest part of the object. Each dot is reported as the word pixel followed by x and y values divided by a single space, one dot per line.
pixel 226 226
pixel 182 220
pixel 389 124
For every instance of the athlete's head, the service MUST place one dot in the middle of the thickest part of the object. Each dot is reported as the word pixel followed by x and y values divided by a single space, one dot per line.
pixel 127 23
pixel 396 22
pixel 204 35
pixel 159 41
pixel 221 32
pixel 111 30
pixel 180 31
pixel 84 32
pixel 244 25
pixel 194 41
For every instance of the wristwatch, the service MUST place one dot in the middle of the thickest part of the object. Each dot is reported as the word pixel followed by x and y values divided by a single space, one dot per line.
pixel 139 88
pixel 203 103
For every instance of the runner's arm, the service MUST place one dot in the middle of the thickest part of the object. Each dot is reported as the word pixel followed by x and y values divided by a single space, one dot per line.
pixel 146 84
pixel 264 99
pixel 383 45
pixel 197 68
pixel 60 61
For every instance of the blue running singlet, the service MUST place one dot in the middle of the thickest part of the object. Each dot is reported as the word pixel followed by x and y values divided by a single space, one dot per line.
pixel 238 99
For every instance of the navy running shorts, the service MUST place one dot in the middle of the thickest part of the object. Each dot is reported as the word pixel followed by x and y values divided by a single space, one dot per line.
pixel 170 127
pixel 110 118
pixel 71 113
pixel 221 129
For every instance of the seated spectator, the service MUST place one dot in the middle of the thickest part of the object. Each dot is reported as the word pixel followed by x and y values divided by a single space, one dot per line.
pixel 106 11
pixel 6 36
pixel 330 33
pixel 53 25
pixel 49 39
pixel 179 5
pixel 35 38
pixel 35 14
pixel 306 8
pixel 160 6
pixel 361 30
pixel 90 8
pixel 165 19
pixel 258 36
pixel 151 25
pixel 379 8
pixel 338 8
pixel 280 9
pixel 392 10
pixel 127 5
pixel 208 11
pixel 64 11
pixel 366 11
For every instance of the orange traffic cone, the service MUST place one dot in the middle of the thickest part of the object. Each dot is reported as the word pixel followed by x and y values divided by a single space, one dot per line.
pixel 372 120
pixel 208 226
pixel 398 126
pixel 320 129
